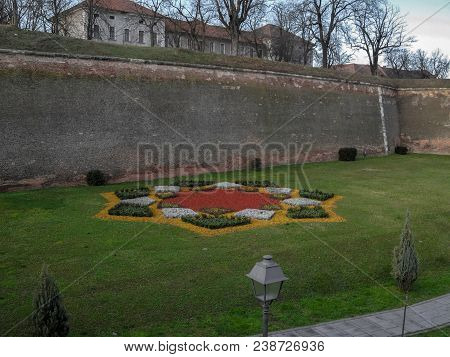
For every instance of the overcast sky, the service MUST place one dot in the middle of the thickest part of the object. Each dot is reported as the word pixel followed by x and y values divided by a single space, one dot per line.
pixel 432 33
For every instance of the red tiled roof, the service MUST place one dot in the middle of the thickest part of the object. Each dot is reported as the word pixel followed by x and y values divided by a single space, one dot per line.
pixel 120 6
pixel 211 31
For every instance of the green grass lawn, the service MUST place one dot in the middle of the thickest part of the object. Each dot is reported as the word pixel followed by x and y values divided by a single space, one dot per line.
pixel 149 279
pixel 11 38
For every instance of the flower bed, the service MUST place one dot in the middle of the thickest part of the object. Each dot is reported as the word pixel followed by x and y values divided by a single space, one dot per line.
pixel 306 212
pixel 212 222
pixel 132 210
pixel 233 200
pixel 128 193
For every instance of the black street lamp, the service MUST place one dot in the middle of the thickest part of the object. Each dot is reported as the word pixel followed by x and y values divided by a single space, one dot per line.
pixel 267 279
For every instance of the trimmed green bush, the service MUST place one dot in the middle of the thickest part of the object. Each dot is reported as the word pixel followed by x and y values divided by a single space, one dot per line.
pixel 127 193
pixel 347 154
pixel 264 183
pixel 204 188
pixel 316 195
pixel 95 178
pixel 401 150
pixel 212 222
pixel 127 209
pixel 248 189
pixel 192 183
pixel 216 211
pixel 255 164
pixel 307 212
pixel 163 204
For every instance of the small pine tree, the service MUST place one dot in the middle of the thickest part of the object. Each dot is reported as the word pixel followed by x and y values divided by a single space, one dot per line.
pixel 49 317
pixel 405 263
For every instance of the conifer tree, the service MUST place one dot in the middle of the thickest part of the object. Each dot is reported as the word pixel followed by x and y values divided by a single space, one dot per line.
pixel 405 263
pixel 49 317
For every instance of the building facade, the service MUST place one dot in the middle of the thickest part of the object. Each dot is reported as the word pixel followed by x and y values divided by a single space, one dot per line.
pixel 115 21
pixel 125 22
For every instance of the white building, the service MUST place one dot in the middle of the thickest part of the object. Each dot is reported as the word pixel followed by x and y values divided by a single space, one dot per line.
pixel 115 21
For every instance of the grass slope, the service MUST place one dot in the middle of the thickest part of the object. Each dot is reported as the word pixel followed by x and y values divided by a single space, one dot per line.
pixel 149 279
pixel 11 38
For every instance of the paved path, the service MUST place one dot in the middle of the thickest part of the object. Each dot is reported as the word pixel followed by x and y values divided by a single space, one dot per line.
pixel 425 315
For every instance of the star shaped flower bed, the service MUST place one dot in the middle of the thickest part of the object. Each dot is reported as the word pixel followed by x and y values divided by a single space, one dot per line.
pixel 221 208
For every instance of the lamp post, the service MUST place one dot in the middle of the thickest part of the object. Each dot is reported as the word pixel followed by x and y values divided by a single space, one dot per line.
pixel 267 279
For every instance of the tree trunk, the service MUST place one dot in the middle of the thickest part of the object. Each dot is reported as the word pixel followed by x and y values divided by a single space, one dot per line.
pixel 324 56
pixel 15 14
pixel 404 314
pixel 374 66
pixel 234 44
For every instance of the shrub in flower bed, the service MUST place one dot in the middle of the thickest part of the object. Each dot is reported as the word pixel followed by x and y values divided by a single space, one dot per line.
pixel 204 188
pixel 127 193
pixel 163 204
pixel 316 195
pixel 192 183
pixel 215 211
pixel 280 196
pixel 248 189
pixel 212 222
pixel 307 212
pixel 126 209
pixel 163 195
pixel 264 183
pixel 270 207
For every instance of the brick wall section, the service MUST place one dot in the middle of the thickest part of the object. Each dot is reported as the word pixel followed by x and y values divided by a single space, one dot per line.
pixel 425 120
pixel 61 116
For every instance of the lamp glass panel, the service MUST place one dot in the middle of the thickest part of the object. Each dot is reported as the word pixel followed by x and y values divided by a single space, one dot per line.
pixel 273 290
pixel 259 290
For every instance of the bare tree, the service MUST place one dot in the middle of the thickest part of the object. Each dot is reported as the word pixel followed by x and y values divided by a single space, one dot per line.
pixel 399 59
pixel 379 28
pixel 436 65
pixel 54 14
pixel 232 14
pixel 255 20
pixel 304 29
pixel 191 17
pixel 151 21
pixel 284 16
pixel 328 16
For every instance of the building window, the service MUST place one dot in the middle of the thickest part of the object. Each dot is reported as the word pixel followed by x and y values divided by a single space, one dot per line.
pixel 154 39
pixel 251 52
pixel 189 43
pixel 222 48
pixel 141 21
pixel 112 33
pixel 211 47
pixel 95 16
pixel 111 17
pixel 126 35
pixel 96 32
pixel 141 36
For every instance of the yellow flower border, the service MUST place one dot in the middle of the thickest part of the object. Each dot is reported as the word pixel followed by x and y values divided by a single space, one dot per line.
pixel 278 218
